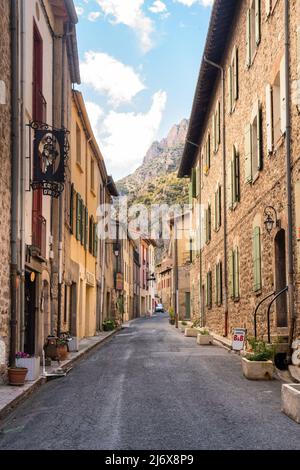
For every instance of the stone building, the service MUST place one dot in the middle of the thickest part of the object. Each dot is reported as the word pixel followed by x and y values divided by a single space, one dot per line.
pixel 5 176
pixel 242 144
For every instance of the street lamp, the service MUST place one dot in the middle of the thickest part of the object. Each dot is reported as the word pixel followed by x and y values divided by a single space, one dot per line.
pixel 270 219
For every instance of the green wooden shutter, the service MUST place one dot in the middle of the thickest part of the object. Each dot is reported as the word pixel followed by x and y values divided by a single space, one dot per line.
pixel 214 140
pixel 269 118
pixel 216 211
pixel 257 22
pixel 218 123
pixel 81 221
pixel 259 138
pixel 86 228
pixel 95 240
pixel 229 185
pixel 248 39
pixel 219 206
pixel 220 283
pixel 236 74
pixel 237 176
pixel 236 274
pixel 217 284
pixel 248 153
pixel 91 234
pixel 256 260
pixel 231 271
pixel 71 221
pixel 194 182
pixel 209 222
pixel 208 152
pixel 77 216
pixel 233 179
pixel 230 89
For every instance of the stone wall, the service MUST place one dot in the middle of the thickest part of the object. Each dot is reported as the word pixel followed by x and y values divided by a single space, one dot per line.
pixel 5 189
pixel 268 186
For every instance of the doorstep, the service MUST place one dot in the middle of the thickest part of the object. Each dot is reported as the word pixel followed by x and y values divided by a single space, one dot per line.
pixel 11 396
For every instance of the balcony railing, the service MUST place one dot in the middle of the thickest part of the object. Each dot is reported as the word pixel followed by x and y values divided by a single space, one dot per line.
pixel 39 234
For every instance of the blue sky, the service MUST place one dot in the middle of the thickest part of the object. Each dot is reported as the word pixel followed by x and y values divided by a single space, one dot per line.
pixel 139 65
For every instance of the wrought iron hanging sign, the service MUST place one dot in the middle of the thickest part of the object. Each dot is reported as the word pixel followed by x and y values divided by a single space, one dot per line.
pixel 50 153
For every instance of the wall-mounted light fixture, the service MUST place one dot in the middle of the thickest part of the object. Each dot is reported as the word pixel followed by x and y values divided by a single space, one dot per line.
pixel 271 219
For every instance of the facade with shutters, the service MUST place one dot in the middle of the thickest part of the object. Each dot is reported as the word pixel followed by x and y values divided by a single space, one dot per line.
pixel 89 283
pixel 236 156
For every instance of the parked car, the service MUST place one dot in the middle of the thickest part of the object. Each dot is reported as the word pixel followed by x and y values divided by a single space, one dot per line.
pixel 159 308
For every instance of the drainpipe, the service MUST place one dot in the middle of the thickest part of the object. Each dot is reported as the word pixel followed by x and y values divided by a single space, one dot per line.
pixel 289 175
pixel 14 8
pixel 23 176
pixel 221 69
pixel 61 201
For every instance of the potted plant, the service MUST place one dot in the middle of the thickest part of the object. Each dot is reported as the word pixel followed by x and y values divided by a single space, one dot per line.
pixel 258 364
pixel 193 330
pixel 204 337
pixel 16 375
pixel 171 316
pixel 182 325
pixel 109 325
pixel 32 363
pixel 62 348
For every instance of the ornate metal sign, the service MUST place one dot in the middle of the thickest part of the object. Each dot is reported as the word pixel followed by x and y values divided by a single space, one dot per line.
pixel 50 152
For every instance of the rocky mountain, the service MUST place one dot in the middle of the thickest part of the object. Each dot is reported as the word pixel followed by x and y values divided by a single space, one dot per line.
pixel 155 181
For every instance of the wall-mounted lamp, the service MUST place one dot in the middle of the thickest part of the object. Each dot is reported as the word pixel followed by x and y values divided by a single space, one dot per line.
pixel 271 219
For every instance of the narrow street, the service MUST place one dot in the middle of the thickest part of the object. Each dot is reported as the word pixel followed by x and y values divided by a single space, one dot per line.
pixel 149 387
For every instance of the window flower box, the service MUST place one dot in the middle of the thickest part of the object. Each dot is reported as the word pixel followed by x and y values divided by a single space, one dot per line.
pixel 33 366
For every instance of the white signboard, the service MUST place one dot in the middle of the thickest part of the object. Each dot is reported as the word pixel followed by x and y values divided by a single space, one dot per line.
pixel 238 340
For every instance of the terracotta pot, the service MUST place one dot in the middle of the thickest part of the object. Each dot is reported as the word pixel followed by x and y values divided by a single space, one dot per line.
pixel 17 375
pixel 62 351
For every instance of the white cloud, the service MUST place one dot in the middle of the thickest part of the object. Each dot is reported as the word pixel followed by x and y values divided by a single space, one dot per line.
pixel 158 7
pixel 79 11
pixel 95 113
pixel 107 75
pixel 94 15
pixel 130 13
pixel 189 3
pixel 126 137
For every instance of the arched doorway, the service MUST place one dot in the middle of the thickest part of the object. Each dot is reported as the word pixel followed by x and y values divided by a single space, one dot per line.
pixel 280 279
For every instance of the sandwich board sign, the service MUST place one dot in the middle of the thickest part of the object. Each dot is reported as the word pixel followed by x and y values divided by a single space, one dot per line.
pixel 238 340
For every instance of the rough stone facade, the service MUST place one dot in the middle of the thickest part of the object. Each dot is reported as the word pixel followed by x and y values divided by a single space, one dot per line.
pixel 268 185
pixel 5 187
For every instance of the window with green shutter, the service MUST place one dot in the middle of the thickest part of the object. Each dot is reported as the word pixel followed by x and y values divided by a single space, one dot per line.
pixel 218 208
pixel 78 215
pixel 95 237
pixel 230 101
pixel 86 228
pixel 235 176
pixel 207 154
pixel 248 153
pixel 209 290
pixel 208 224
pixel 82 222
pixel 234 282
pixel 219 282
pixel 218 124
pixel 71 221
pixel 91 234
pixel 257 280
pixel 214 140
pixel 194 182
pixel 248 39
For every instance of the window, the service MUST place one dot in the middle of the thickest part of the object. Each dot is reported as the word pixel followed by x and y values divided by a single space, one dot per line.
pixel 86 227
pixel 95 240
pixel 78 144
pixel 216 129
pixel 91 234
pixel 72 198
pixel 234 179
pixel 207 224
pixel 82 222
pixel 234 282
pixel 276 108
pixel 209 290
pixel 219 283
pixel 207 155
pixel 253 146
pixel 92 174
pixel 253 34
pixel 218 208
pixel 256 258
pixel 233 81
pixel 78 216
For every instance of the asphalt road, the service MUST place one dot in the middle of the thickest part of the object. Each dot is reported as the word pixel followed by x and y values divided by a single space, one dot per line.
pixel 149 387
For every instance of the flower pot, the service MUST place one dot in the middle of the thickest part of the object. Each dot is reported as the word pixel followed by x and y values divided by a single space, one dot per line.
pixel 191 332
pixel 204 340
pixel 33 366
pixel 257 370
pixel 290 401
pixel 17 375
pixel 62 351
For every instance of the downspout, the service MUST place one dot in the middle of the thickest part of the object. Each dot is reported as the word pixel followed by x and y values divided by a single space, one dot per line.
pixel 23 176
pixel 60 215
pixel 14 7
pixel 221 69
pixel 289 175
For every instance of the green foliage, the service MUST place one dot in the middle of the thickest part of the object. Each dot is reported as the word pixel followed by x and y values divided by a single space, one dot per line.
pixel 260 350
pixel 204 332
pixel 109 325
pixel 171 313
pixel 184 323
